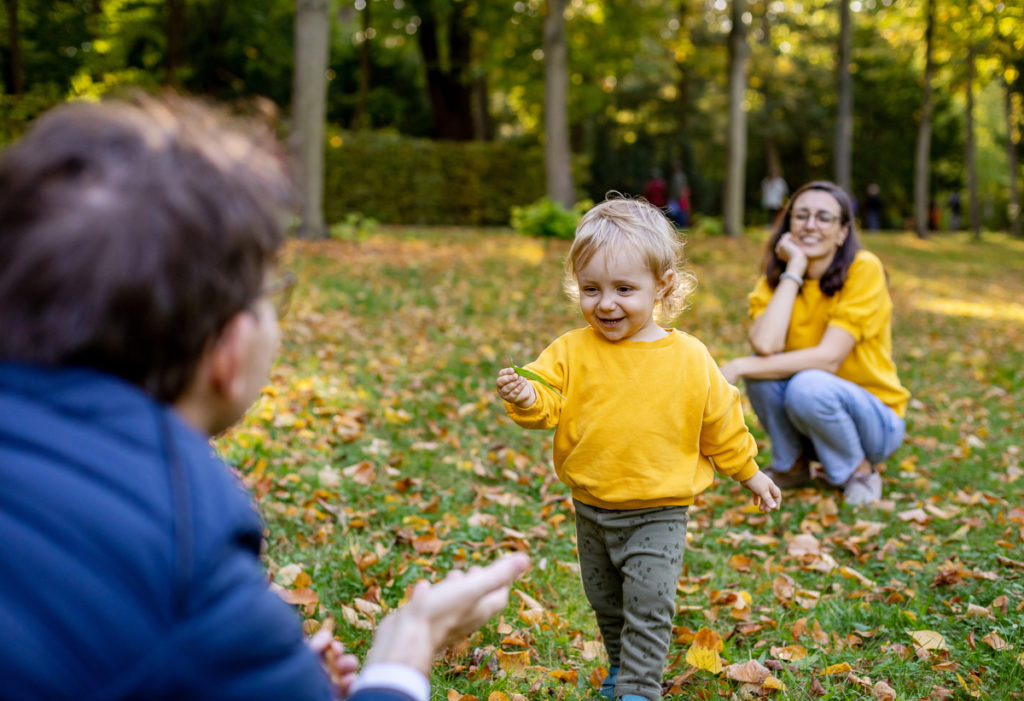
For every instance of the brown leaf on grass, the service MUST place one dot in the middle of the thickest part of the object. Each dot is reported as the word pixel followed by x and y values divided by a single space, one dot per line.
pixel 883 692
pixel 804 544
pixel 915 515
pixel 675 687
pixel 996 642
pixel 751 672
pixel 590 649
pixel 454 695
pixel 815 688
pixel 1001 604
pixel 362 472
pixel 597 677
pixel 784 588
pixel 498 696
pixel 975 611
pixel 789 653
pixel 427 544
pixel 799 627
pixel 1007 562
pixel 940 693
pixel 740 563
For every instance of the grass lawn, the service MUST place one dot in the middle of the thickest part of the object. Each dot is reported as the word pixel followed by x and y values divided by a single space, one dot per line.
pixel 380 455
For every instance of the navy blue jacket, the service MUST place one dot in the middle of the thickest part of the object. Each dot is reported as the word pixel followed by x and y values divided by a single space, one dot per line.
pixel 129 556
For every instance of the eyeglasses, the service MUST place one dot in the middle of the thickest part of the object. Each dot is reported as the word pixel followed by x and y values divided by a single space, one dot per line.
pixel 824 218
pixel 278 290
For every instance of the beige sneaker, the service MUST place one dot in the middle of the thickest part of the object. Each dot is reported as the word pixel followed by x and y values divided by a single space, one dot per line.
pixel 863 488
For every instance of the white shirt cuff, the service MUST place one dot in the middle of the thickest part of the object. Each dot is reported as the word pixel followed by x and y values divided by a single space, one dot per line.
pixel 398 677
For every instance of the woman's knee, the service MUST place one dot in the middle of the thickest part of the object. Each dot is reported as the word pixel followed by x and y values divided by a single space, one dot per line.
pixel 807 393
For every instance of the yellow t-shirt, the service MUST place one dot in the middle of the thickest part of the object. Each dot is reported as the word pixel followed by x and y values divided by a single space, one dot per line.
pixel 864 309
pixel 639 421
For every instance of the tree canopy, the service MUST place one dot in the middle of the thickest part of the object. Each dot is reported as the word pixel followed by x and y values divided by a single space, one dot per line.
pixel 648 81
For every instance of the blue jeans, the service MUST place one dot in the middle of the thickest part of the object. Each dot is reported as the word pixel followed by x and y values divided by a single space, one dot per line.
pixel 826 418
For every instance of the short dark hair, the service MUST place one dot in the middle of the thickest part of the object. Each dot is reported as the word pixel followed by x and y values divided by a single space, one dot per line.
pixel 131 232
pixel 835 277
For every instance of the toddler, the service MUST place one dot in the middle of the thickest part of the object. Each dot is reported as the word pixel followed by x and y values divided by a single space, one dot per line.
pixel 642 419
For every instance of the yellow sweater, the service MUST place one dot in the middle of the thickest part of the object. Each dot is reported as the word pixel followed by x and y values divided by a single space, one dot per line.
pixel 640 420
pixel 864 309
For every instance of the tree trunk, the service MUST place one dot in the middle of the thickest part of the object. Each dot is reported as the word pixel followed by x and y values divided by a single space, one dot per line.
pixel 736 173
pixel 309 107
pixel 557 156
pixel 483 125
pixel 448 88
pixel 1011 158
pixel 683 102
pixel 969 144
pixel 14 78
pixel 924 132
pixel 844 120
pixel 361 119
pixel 175 32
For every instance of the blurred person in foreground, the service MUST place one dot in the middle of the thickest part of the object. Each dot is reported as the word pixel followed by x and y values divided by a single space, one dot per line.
pixel 822 380
pixel 137 283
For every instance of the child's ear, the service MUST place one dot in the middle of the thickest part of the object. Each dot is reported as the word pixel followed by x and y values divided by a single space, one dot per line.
pixel 666 281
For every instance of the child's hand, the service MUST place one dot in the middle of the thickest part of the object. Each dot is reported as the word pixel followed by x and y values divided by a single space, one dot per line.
pixel 515 389
pixel 767 493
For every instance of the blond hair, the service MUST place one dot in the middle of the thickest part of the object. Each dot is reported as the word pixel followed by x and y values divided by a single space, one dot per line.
pixel 620 222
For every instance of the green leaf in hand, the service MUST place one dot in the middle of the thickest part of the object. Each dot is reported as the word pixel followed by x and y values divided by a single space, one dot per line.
pixel 530 375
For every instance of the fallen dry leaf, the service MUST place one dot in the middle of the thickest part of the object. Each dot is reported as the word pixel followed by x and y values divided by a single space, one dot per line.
pixel 751 672
pixel 703 654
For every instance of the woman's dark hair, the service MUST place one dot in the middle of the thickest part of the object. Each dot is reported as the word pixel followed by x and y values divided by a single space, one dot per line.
pixel 131 232
pixel 835 277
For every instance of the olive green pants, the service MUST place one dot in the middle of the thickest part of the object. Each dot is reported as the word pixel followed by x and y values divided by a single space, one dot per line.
pixel 630 561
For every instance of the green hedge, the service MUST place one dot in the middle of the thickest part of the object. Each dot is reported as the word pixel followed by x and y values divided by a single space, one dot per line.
pixel 401 180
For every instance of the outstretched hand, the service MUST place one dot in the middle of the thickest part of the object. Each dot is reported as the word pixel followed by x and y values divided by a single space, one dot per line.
pixel 768 496
pixel 439 614
pixel 340 666
pixel 515 389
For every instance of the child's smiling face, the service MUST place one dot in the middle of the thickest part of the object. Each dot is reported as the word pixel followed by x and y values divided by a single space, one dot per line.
pixel 618 293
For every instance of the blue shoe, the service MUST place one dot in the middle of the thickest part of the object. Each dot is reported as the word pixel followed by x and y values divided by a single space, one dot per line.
pixel 633 697
pixel 608 685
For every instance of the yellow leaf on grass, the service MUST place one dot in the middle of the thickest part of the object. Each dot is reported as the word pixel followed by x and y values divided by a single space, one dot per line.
pixel 569 676
pixel 498 696
pixel 773 683
pixel 512 662
pixel 841 668
pixel 703 654
pixel 597 676
pixel 929 640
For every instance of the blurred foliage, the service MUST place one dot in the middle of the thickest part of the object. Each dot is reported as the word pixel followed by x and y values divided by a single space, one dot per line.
pixel 648 84
pixel 402 180
pixel 550 219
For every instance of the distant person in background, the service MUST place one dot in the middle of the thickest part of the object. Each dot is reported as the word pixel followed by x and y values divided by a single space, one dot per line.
pixel 656 190
pixel 934 215
pixel 773 195
pixel 679 194
pixel 954 211
pixel 873 208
